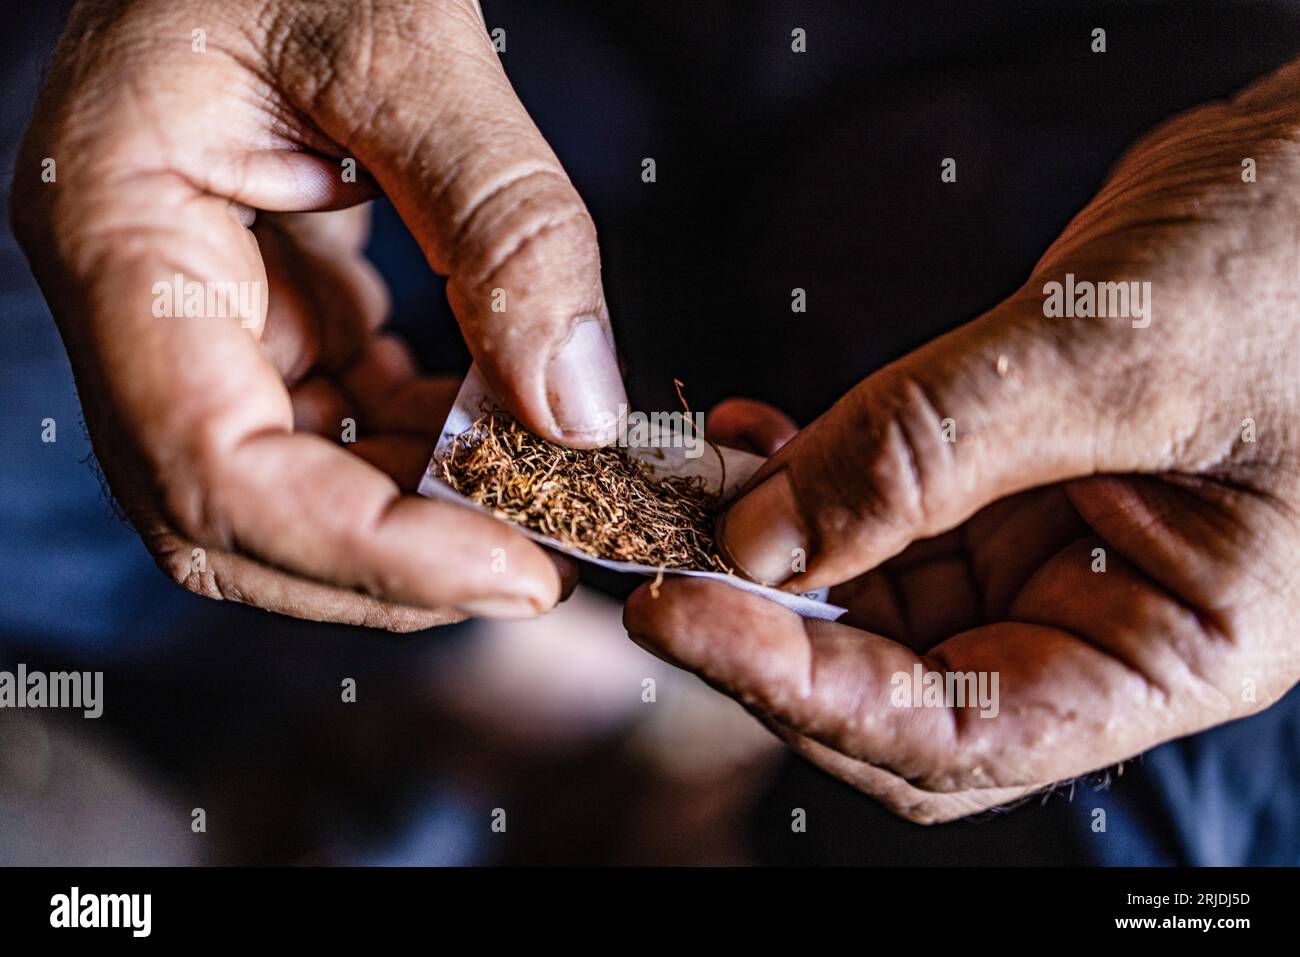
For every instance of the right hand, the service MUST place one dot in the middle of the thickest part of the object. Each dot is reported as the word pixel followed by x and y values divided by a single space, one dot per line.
pixel 1094 515
pixel 222 164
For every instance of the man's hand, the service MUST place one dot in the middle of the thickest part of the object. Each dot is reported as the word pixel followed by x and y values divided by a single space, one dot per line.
pixel 205 140
pixel 1101 511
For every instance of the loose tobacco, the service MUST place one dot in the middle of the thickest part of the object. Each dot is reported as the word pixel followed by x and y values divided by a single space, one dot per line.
pixel 601 501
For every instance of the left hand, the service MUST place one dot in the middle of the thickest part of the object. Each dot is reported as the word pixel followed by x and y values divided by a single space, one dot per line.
pixel 221 150
pixel 965 500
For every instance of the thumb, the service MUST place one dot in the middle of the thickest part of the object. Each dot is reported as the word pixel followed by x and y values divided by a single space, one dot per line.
pixel 423 104
pixel 1008 402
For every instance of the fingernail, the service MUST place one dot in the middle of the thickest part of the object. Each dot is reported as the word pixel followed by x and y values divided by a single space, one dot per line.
pixel 761 534
pixel 583 386
pixel 503 607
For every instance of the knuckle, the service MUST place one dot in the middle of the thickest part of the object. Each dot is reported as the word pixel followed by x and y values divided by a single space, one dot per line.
pixel 883 463
pixel 184 563
pixel 518 228
pixel 330 63
pixel 917 464
pixel 303 50
pixel 339 66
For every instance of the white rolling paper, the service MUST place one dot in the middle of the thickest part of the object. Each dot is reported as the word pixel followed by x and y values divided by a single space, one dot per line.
pixel 475 398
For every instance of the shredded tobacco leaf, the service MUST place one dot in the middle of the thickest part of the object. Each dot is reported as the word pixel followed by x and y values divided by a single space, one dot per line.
pixel 601 501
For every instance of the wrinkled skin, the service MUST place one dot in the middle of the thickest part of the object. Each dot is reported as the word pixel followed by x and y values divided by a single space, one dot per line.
pixel 968 556
pixel 1073 434
pixel 229 165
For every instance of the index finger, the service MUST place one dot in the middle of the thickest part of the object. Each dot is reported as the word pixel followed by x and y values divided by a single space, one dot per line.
pixel 1039 703
pixel 184 408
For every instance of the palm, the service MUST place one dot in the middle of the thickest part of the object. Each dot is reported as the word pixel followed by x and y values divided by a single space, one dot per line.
pixel 347 380
pixel 1021 588
pixel 966 578
pixel 325 379
pixel 1106 606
